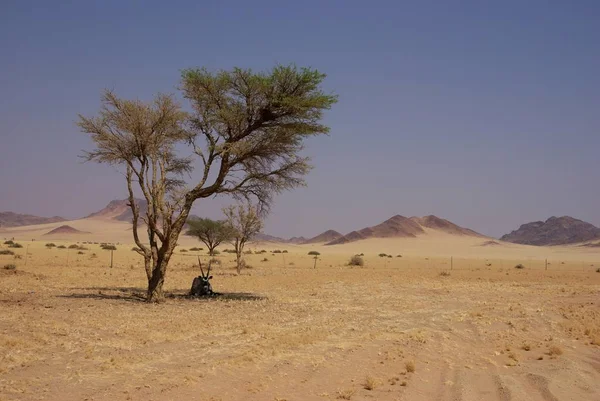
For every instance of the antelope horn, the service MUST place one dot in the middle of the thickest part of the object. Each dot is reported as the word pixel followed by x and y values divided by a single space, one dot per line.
pixel 208 272
pixel 200 264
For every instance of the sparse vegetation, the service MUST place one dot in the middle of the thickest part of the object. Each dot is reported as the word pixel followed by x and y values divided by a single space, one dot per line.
pixel 61 247
pixel 555 350
pixel 383 255
pixel 15 245
pixel 444 273
pixel 276 251
pixel 183 250
pixel 519 266
pixel 370 383
pixel 356 260
pixel 50 245
pixel 74 246
pixel 345 394
pixel 108 247
pixel 8 242
pixel 314 253
pixel 410 366
pixel 80 253
pixel 196 249
pixel 10 266
pixel 6 252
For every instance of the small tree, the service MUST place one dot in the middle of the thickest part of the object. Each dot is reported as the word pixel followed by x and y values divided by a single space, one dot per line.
pixel 212 233
pixel 245 130
pixel 245 222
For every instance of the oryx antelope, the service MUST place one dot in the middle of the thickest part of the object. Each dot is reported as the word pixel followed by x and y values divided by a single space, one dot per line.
pixel 201 285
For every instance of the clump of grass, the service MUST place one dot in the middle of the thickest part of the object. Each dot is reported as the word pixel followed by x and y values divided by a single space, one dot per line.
pixel 10 266
pixel 15 245
pixel 195 249
pixel 345 394
pixel 74 246
pixel 6 252
pixel 183 250
pixel 370 383
pixel 108 247
pixel 314 253
pixel 444 273
pixel 410 366
pixel 383 255
pixel 519 266
pixel 356 260
pixel 9 242
pixel 61 247
pixel 555 350
pixel 50 245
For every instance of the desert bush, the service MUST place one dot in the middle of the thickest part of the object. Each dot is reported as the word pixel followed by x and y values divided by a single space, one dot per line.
pixel 389 256
pixel 215 252
pixel 265 260
pixel 108 247
pixel 314 253
pixel 6 252
pixel 277 251
pixel 50 245
pixel 9 242
pixel 10 266
pixel 555 350
pixel 444 274
pixel 382 255
pixel 228 250
pixel 248 252
pixel 263 251
pixel 80 253
pixel 519 266
pixel 284 251
pixel 82 248
pixel 598 270
pixel 195 249
pixel 410 366
pixel 356 260
pixel 15 245
pixel 370 383
pixel 74 246
pixel 183 250
pixel 17 256
pixel 93 256
pixel 61 247
pixel 398 256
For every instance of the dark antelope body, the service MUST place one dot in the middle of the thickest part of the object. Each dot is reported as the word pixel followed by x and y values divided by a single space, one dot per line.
pixel 201 284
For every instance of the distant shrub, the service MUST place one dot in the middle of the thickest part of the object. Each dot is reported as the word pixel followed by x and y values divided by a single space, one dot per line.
pixel 277 251
pixel 6 252
pixel 265 260
pixel 80 253
pixel 9 242
pixel 50 245
pixel 519 266
pixel 15 245
pixel 228 250
pixel 389 256
pixel 263 251
pixel 314 253
pixel 183 250
pixel 248 252
pixel 82 248
pixel 93 256
pixel 215 252
pixel 284 251
pixel 398 256
pixel 356 260
pixel 361 254
pixel 598 270
pixel 444 274
pixel 61 247
pixel 194 249
pixel 10 266
pixel 382 255
pixel 108 247
pixel 74 246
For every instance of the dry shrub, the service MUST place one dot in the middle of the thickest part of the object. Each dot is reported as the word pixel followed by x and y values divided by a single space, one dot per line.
pixel 6 252
pixel 370 383
pixel 345 394
pixel 519 266
pixel 356 260
pixel 555 350
pixel 444 274
pixel 410 366
pixel 10 266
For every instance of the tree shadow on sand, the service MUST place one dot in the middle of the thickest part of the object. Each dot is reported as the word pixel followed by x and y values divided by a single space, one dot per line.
pixel 136 294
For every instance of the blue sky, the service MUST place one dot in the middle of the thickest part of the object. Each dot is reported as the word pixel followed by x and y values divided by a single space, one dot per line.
pixel 485 114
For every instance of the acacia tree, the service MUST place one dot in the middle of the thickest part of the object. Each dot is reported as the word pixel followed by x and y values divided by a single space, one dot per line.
pixel 211 232
pixel 245 223
pixel 245 129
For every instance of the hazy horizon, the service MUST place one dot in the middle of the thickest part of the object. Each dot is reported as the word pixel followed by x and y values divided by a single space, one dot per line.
pixel 485 115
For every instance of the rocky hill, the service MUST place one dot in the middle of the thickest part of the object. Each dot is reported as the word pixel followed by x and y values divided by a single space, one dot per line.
pixel 10 219
pixel 554 231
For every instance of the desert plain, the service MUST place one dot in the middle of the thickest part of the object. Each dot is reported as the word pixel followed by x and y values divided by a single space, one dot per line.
pixel 446 317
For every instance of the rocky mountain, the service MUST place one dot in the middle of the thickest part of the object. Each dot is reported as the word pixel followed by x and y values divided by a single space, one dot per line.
pixel 404 227
pixel 10 219
pixel 327 236
pixel 119 210
pixel 554 231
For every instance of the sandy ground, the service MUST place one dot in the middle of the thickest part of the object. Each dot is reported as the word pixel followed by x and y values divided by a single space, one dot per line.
pixel 416 327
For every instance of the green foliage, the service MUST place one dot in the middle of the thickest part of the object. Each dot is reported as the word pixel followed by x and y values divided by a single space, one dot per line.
pixel 356 260
pixel 314 253
pixel 211 232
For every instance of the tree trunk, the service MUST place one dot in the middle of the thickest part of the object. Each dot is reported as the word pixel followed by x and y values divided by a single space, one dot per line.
pixel 238 257
pixel 155 283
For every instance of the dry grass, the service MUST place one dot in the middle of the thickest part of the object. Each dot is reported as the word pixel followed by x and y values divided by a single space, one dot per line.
pixel 410 367
pixel 555 350
pixel 370 383
pixel 345 394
